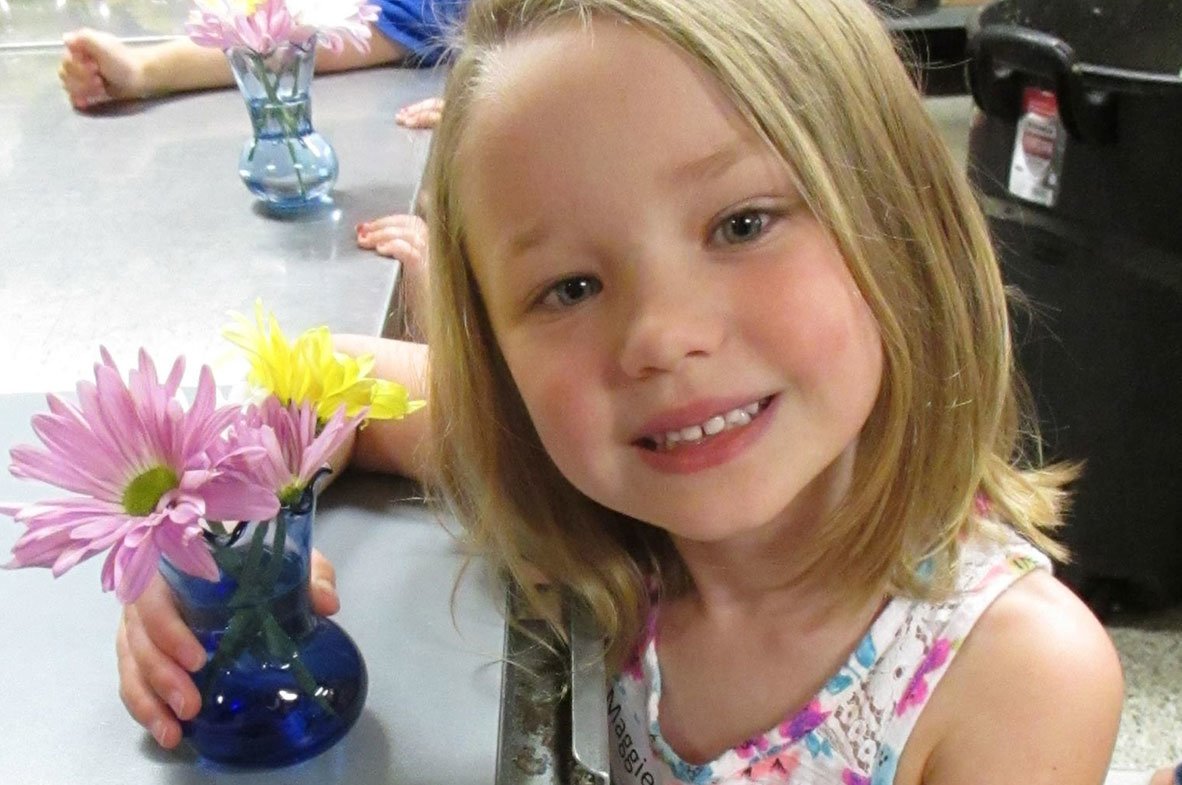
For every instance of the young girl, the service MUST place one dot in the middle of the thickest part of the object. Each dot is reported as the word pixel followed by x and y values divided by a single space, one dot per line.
pixel 721 347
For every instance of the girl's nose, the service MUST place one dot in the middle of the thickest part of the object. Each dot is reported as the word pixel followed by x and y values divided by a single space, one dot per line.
pixel 670 320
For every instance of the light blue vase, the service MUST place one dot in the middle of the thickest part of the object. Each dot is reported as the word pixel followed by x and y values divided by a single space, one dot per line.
pixel 286 163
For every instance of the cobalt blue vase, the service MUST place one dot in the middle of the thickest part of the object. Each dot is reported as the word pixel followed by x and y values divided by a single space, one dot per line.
pixel 281 684
pixel 286 163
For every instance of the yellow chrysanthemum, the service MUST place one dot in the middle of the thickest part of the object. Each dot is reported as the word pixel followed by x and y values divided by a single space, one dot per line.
pixel 308 370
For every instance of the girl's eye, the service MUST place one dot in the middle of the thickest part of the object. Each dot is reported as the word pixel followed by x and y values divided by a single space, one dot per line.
pixel 571 291
pixel 741 227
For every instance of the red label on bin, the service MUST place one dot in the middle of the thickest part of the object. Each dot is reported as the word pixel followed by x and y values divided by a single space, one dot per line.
pixel 1042 102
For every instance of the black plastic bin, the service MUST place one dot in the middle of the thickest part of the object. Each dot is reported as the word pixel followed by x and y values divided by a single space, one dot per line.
pixel 1078 156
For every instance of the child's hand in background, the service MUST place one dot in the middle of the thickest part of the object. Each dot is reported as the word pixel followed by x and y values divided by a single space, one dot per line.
pixel 401 237
pixel 97 67
pixel 422 114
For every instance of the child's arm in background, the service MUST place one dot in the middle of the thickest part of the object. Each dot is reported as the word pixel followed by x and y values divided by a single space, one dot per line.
pixel 1033 697
pixel 97 67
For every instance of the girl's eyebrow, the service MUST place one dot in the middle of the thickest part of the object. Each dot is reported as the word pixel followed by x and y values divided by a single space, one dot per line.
pixel 710 165
pixel 521 243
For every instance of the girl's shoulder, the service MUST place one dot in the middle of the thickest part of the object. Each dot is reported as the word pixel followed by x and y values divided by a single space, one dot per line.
pixel 1033 695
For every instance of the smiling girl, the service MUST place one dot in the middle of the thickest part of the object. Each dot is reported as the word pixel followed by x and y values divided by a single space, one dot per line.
pixel 721 346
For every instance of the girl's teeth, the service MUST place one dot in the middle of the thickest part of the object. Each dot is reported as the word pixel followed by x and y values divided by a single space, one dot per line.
pixel 738 417
pixel 735 418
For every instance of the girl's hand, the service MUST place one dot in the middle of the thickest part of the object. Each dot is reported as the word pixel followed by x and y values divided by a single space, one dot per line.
pixel 157 653
pixel 423 114
pixel 97 67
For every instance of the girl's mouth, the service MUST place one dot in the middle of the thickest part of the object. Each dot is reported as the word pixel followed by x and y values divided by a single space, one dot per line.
pixel 739 417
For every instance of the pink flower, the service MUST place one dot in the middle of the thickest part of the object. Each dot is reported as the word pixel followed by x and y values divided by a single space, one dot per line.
pixel 225 24
pixel 805 722
pixel 776 768
pixel 752 747
pixel 264 25
pixel 278 447
pixel 851 777
pixel 916 693
pixel 335 21
pixel 143 467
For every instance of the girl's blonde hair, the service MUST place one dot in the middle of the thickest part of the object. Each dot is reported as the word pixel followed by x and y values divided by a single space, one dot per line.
pixel 939 455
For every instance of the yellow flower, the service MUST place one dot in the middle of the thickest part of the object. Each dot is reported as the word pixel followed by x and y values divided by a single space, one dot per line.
pixel 307 369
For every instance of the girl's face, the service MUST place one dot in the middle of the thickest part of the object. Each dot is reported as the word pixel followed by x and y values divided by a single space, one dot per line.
pixel 684 333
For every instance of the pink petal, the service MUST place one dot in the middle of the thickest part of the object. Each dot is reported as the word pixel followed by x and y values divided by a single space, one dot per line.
pixel 107 576
pixel 70 557
pixel 32 464
pixel 138 567
pixel 232 499
pixel 192 557
pixel 336 432
pixel 76 444
pixel 38 552
pixel 173 382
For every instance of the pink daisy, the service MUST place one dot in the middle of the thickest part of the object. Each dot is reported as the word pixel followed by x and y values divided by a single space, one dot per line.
pixel 278 446
pixel 142 466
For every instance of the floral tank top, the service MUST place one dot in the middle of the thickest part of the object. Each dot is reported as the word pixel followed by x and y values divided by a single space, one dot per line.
pixel 853 731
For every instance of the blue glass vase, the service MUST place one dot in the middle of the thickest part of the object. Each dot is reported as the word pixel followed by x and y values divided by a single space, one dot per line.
pixel 286 163
pixel 281 684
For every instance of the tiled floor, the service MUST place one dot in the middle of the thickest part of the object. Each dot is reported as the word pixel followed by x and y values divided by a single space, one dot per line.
pixel 1151 652
pixel 1150 646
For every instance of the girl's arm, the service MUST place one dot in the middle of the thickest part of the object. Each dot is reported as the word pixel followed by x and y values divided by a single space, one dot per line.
pixel 1033 697
pixel 392 446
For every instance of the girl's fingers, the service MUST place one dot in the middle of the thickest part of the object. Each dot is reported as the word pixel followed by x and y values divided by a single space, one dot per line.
pixel 165 679
pixel 141 702
pixel 325 600
pixel 164 627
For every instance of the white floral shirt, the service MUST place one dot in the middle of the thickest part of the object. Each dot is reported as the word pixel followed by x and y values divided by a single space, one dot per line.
pixel 852 732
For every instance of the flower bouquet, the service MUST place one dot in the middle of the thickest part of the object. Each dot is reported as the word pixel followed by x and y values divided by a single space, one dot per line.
pixel 271 46
pixel 219 500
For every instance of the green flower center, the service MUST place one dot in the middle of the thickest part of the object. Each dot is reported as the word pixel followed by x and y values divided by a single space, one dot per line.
pixel 144 492
pixel 291 494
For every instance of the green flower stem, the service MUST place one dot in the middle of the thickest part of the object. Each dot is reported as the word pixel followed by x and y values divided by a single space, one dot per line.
pixel 253 625
pixel 281 113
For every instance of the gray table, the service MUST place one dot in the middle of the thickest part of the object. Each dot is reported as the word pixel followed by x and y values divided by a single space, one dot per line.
pixel 434 692
pixel 130 227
